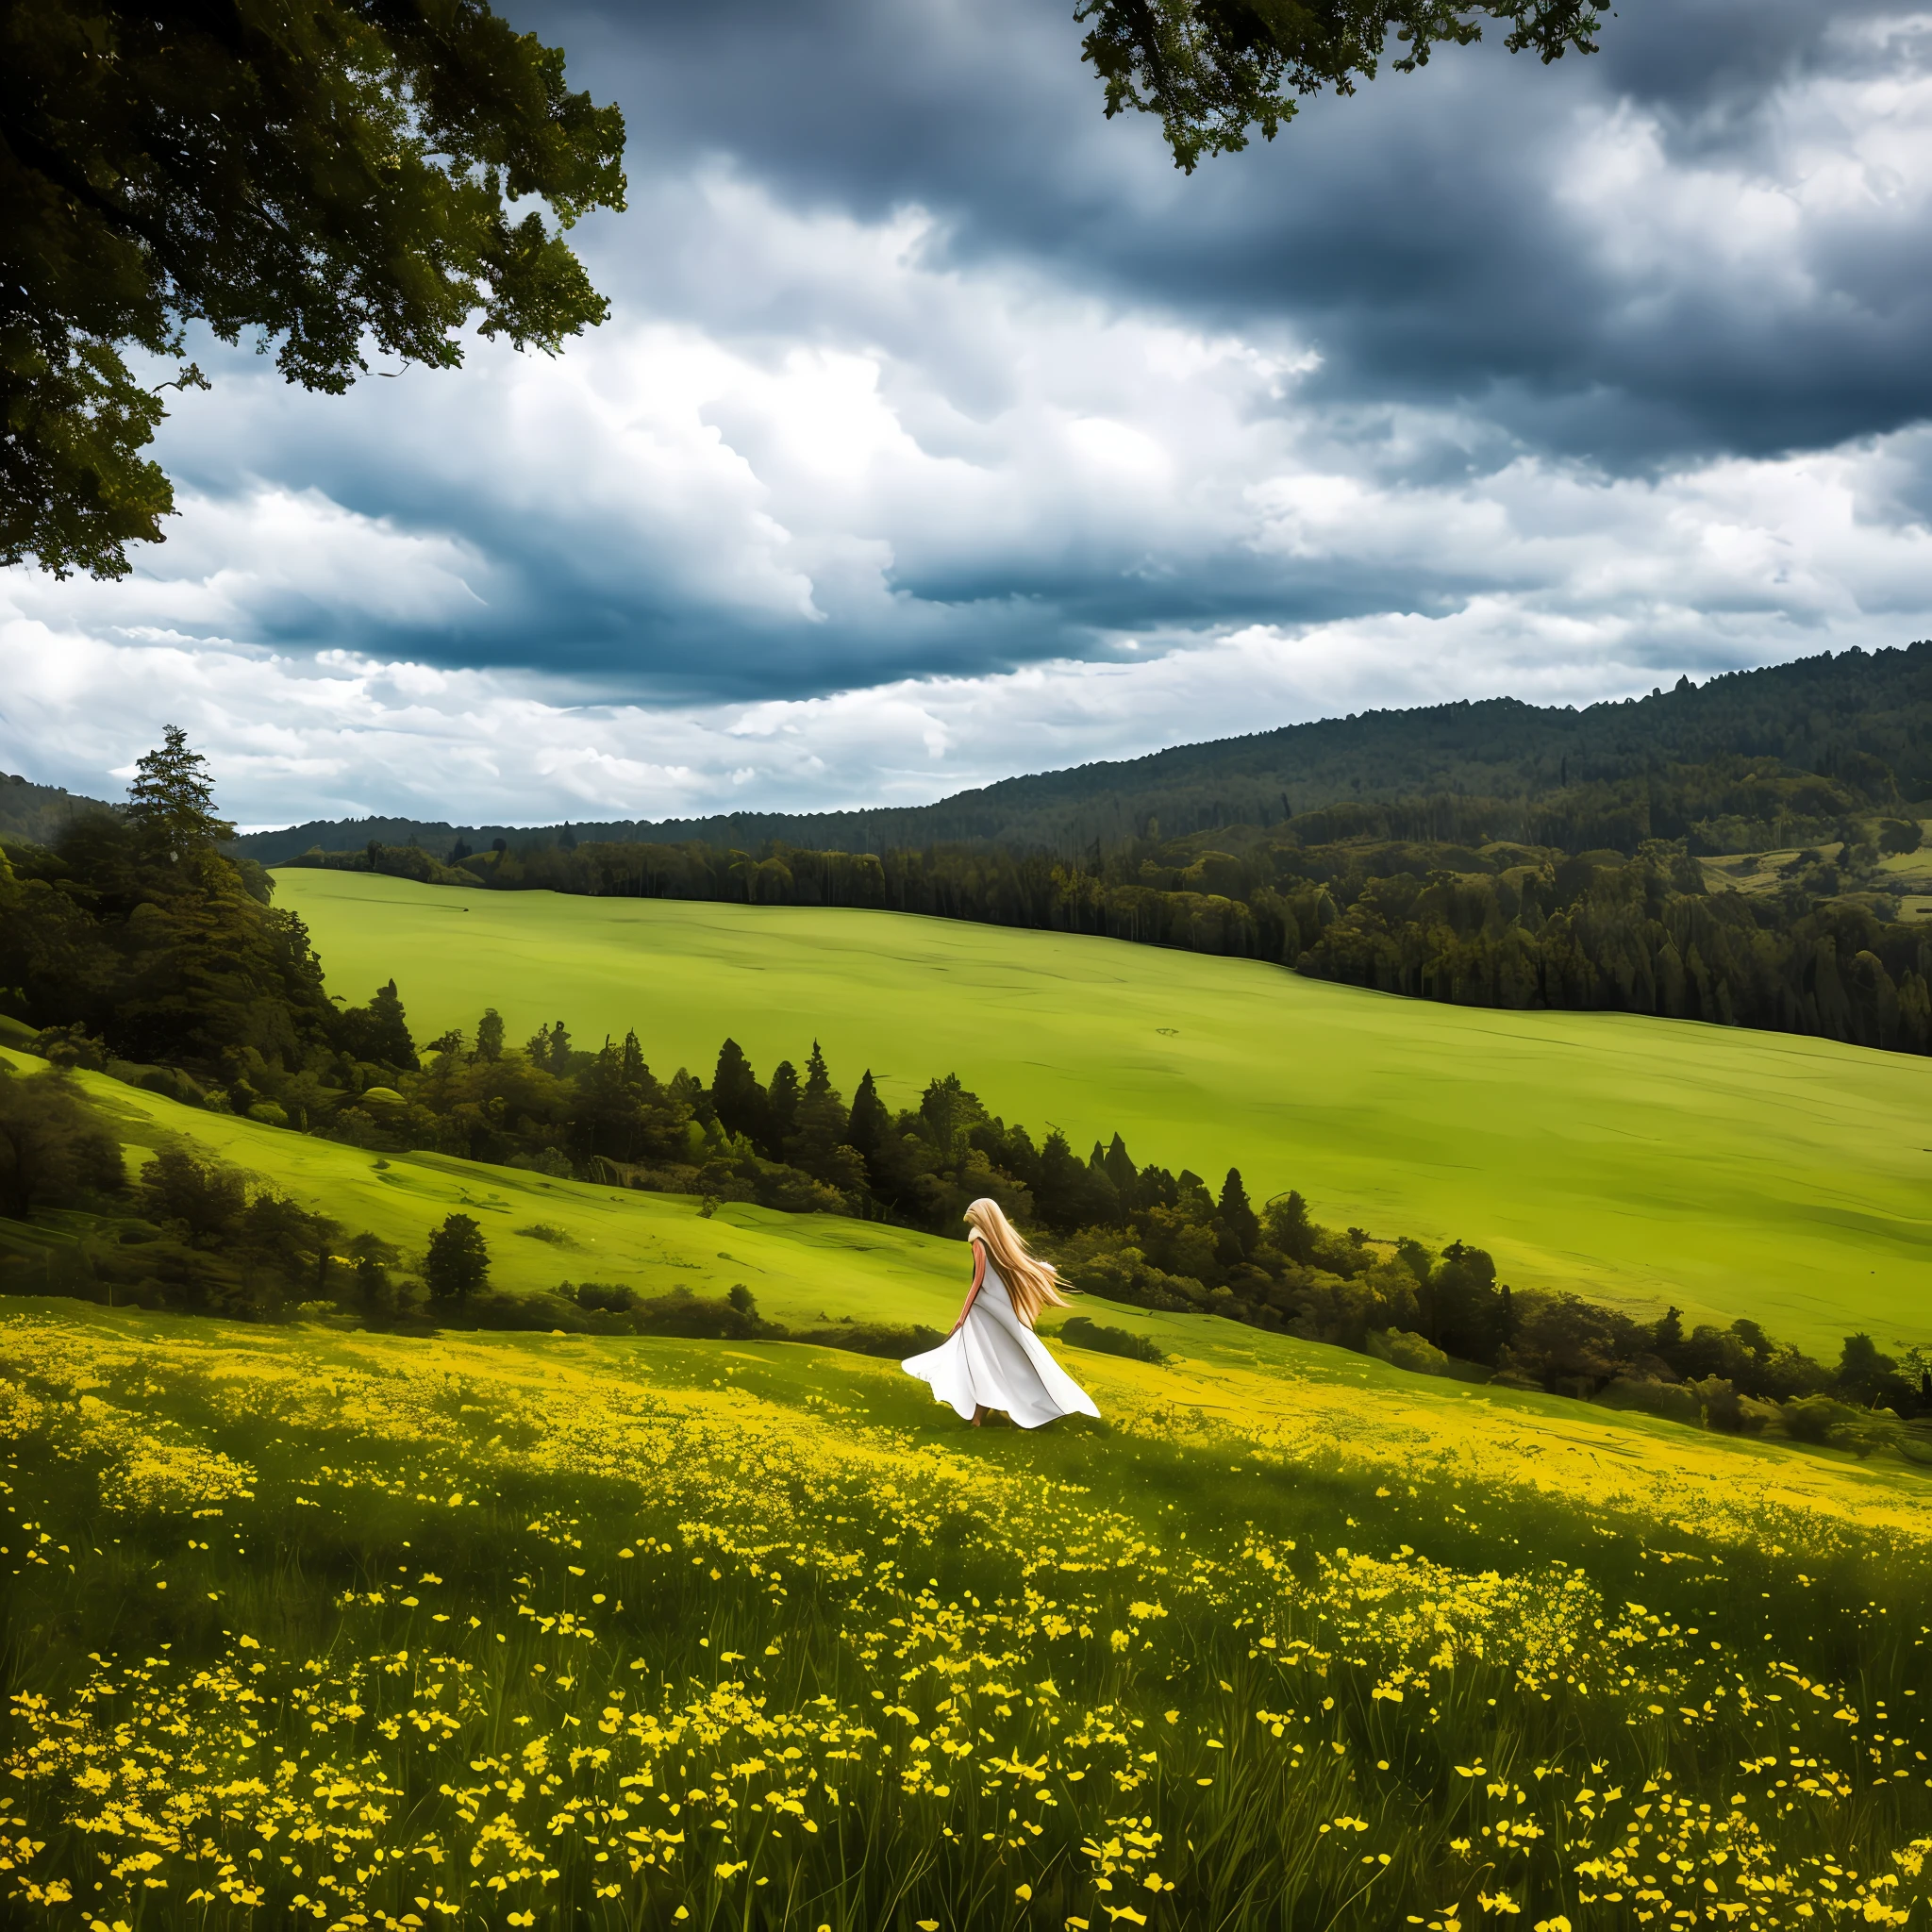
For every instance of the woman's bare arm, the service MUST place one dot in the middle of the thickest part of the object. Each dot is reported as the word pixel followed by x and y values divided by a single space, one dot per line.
pixel 973 1292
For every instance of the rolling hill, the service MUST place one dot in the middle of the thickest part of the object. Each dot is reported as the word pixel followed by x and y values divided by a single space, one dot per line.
pixel 1815 714
pixel 1640 1161
pixel 800 1267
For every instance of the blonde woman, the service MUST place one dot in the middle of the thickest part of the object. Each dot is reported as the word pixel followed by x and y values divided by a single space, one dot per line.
pixel 993 1359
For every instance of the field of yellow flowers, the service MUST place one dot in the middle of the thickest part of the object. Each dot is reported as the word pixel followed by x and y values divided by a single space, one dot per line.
pixel 348 1630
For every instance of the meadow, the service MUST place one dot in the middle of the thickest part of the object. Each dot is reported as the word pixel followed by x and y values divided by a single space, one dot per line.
pixel 1643 1161
pixel 361 1630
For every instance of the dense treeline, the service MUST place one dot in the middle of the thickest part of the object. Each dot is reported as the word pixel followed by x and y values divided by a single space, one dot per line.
pixel 194 1235
pixel 164 961
pixel 1812 715
pixel 1588 898
pixel 200 1238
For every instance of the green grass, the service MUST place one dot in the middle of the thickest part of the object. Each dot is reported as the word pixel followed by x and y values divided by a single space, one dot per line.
pixel 1734 1173
pixel 303 1628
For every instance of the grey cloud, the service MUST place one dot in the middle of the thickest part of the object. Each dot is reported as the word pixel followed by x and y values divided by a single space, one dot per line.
pixel 1453 244
pixel 1415 231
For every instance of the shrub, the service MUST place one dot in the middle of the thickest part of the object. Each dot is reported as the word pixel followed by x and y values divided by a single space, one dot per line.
pixel 1403 1349
pixel 732 1318
pixel 1671 1400
pixel 610 1298
pixel 1078 1332
pixel 885 1339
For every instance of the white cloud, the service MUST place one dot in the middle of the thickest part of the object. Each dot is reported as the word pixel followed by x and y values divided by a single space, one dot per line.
pixel 1600 588
pixel 815 452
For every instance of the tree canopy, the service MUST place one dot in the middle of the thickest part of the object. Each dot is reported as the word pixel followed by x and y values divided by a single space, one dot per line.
pixel 1213 70
pixel 340 176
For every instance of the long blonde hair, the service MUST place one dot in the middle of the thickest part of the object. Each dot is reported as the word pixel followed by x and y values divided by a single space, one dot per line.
pixel 1032 1284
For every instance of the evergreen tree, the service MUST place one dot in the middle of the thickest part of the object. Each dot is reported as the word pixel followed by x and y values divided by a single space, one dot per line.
pixel 821 1112
pixel 818 1145
pixel 1070 1194
pixel 782 1114
pixel 1120 1169
pixel 457 1260
pixel 372 1285
pixel 619 1109
pixel 740 1099
pixel 870 1123
pixel 1154 1186
pixel 1461 1305
pixel 172 800
pixel 371 1257
pixel 1238 1217
pixel 603 1112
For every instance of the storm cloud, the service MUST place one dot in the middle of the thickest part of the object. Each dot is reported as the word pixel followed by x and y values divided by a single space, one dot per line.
pixel 942 430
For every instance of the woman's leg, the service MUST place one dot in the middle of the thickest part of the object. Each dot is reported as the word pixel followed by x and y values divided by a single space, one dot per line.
pixel 978 1410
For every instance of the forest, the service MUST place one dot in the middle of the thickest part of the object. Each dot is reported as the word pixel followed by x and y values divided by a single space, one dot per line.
pixel 140 949
pixel 1588 898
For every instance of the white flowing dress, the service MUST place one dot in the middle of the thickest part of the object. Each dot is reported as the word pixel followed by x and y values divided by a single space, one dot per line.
pixel 995 1362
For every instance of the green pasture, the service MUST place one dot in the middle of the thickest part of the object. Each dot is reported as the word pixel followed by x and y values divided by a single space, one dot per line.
pixel 1734 1173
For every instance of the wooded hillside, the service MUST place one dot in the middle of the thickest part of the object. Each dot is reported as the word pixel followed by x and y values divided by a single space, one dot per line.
pixel 1821 714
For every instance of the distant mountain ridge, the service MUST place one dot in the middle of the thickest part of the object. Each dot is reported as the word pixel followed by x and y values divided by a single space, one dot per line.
pixel 1823 713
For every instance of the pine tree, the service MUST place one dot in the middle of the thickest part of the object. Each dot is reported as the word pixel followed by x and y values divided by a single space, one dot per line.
pixel 172 799
pixel 1071 1193
pixel 871 1123
pixel 819 1145
pixel 1236 1216
pixel 1120 1171
pixel 783 1119
pixel 742 1106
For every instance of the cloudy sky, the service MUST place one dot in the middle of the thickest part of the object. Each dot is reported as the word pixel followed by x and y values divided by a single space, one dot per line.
pixel 942 430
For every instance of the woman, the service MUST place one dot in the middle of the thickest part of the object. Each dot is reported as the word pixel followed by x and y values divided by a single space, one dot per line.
pixel 993 1359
